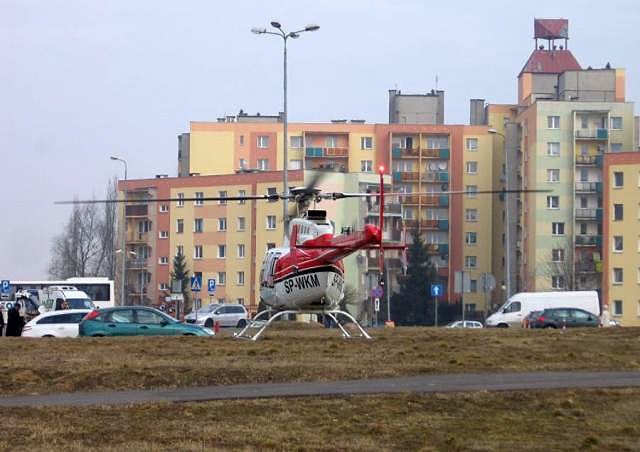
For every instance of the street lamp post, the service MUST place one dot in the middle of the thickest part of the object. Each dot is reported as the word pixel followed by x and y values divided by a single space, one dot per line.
pixel 506 212
pixel 285 36
pixel 123 245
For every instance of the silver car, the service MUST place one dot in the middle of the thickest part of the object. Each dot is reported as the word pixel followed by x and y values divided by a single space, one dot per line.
pixel 464 324
pixel 231 315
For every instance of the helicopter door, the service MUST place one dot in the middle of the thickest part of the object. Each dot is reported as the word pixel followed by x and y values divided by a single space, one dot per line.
pixel 270 269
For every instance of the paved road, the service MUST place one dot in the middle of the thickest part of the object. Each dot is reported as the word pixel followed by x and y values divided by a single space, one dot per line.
pixel 425 383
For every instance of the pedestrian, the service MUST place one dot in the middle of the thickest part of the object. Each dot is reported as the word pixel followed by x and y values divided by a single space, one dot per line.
pixel 605 317
pixel 14 321
pixel 1 322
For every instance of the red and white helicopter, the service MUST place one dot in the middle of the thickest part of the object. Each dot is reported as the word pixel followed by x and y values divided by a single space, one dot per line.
pixel 306 274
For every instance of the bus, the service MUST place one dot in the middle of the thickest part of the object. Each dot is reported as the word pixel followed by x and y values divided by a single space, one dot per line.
pixel 100 290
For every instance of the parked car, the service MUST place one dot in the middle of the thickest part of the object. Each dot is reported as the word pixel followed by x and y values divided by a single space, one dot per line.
pixel 531 317
pixel 565 317
pixel 233 315
pixel 464 324
pixel 136 321
pixel 55 324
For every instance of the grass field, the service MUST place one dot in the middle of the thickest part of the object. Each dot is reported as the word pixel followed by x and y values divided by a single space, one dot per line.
pixel 532 420
pixel 301 353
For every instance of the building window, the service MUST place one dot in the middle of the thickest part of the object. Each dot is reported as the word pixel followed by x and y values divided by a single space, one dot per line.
pixel 617 307
pixel 471 214
pixel 366 166
pixel 618 212
pixel 240 301
pixel 272 191
pixel 618 275
pixel 557 228
pixel 222 278
pixel 263 141
pixel 618 244
pixel 553 175
pixel 222 224
pixel 331 141
pixel 557 282
pixel 164 208
pixel 472 167
pixel 271 222
pixel 471 191
pixel 243 164
pixel 263 164
pixel 163 286
pixel 471 238
pixel 584 122
pixel 553 122
pixel 618 179
pixel 241 223
pixel 296 142
pixel 179 226
pixel 557 255
pixel 616 122
pixel 553 149
pixel 180 201
pixel 295 164
pixel 241 140
pixel 222 251
pixel 199 201
pixel 616 147
pixel 470 261
pixel 198 225
pixel 553 202
pixel 472 144
pixel 222 194
pixel 197 252
pixel 164 260
pixel 242 193
pixel 270 245
pixel 241 251
pixel 163 234
pixel 180 250
pixel 366 143
pixel 241 278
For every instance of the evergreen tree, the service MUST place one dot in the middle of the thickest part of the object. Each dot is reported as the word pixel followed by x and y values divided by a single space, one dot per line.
pixel 413 304
pixel 180 272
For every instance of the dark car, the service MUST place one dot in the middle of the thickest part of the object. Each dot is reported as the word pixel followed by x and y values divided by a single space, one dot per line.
pixel 135 321
pixel 528 320
pixel 565 317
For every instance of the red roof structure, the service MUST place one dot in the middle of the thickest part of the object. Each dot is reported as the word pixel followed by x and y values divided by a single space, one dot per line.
pixel 551 62
pixel 551 28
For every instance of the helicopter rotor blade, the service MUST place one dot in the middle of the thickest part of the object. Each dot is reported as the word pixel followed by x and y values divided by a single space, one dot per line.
pixel 273 197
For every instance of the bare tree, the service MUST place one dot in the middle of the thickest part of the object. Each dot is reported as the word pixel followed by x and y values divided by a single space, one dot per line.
pixel 86 246
pixel 558 267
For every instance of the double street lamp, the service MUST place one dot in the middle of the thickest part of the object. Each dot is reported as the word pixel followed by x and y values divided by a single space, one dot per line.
pixel 285 36
pixel 122 244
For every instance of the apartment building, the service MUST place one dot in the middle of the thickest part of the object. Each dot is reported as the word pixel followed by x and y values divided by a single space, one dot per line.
pixel 621 237
pixel 557 137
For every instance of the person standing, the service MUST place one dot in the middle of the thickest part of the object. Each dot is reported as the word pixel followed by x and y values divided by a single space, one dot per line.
pixel 14 321
pixel 1 322
pixel 605 317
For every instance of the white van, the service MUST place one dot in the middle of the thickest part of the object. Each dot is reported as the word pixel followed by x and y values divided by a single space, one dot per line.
pixel 55 298
pixel 520 305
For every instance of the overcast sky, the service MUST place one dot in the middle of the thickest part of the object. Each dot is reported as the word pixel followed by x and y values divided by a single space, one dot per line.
pixel 82 80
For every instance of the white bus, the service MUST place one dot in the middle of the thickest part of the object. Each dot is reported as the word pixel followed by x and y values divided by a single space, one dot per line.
pixel 100 290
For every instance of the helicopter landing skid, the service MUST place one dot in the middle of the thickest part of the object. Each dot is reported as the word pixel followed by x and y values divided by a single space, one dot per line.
pixel 261 325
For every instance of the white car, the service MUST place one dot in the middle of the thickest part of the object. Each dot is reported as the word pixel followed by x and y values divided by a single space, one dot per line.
pixel 55 324
pixel 233 315
pixel 464 324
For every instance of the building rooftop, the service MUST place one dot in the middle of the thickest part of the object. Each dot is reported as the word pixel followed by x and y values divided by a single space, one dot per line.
pixel 551 62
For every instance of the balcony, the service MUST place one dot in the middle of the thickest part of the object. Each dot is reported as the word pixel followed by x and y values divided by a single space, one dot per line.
pixel 437 176
pixel 434 225
pixel 585 160
pixel 137 264
pixel 136 236
pixel 588 240
pixel 438 248
pixel 586 267
pixel 405 153
pixel 589 187
pixel 409 177
pixel 320 152
pixel 389 209
pixel 137 211
pixel 589 214
pixel 442 154
pixel 592 134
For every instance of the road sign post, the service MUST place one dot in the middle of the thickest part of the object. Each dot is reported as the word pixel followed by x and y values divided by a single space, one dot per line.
pixel 436 291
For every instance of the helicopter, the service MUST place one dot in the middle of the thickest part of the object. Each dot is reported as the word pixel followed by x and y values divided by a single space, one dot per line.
pixel 306 274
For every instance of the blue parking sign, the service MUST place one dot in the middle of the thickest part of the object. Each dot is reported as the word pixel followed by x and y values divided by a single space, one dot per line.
pixel 211 284
pixel 437 290
pixel 5 286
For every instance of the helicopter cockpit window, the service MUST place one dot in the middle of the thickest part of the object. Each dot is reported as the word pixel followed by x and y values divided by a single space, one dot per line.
pixel 272 269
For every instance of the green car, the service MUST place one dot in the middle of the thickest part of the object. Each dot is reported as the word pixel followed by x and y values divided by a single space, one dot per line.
pixel 136 321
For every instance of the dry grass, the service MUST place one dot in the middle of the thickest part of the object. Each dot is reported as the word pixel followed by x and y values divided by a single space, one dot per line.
pixel 534 420
pixel 301 354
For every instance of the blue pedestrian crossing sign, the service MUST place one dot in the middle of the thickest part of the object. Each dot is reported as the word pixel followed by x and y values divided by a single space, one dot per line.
pixel 196 283
pixel 5 286
pixel 211 284
pixel 437 290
